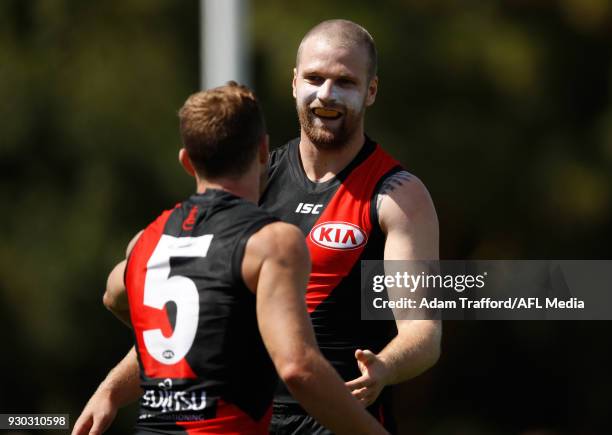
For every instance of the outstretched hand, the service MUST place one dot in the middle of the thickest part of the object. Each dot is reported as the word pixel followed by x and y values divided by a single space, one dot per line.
pixel 368 386
pixel 97 415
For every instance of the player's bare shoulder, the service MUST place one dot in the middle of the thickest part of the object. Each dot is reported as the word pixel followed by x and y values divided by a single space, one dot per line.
pixel 132 243
pixel 404 197
pixel 408 218
pixel 277 242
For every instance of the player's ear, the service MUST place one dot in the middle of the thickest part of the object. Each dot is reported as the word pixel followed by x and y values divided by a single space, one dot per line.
pixel 264 158
pixel 293 82
pixel 185 162
pixel 264 149
pixel 372 90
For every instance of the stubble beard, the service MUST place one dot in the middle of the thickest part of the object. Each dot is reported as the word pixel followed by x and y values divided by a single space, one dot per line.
pixel 324 137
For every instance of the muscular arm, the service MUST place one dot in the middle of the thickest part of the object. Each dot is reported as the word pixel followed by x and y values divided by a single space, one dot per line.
pixel 122 384
pixel 276 267
pixel 409 221
pixel 408 218
pixel 121 387
pixel 115 296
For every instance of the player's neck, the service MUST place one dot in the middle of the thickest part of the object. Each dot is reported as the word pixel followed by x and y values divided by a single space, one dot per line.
pixel 246 187
pixel 322 164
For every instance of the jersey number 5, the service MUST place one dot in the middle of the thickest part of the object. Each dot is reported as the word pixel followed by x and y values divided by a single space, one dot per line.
pixel 161 288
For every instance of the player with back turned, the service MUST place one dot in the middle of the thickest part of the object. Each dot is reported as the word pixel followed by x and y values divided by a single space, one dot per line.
pixel 352 202
pixel 235 277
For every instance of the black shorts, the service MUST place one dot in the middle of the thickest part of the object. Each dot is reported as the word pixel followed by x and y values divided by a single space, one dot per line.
pixel 293 420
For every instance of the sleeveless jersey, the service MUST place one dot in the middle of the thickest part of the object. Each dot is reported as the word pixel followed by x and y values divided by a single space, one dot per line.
pixel 204 368
pixel 339 220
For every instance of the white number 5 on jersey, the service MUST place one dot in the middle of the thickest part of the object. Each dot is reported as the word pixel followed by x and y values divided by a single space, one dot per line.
pixel 160 289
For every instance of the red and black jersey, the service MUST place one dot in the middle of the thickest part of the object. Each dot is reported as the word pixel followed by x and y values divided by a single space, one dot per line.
pixel 204 368
pixel 339 220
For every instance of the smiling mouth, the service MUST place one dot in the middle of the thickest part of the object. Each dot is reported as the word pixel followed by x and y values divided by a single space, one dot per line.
pixel 326 113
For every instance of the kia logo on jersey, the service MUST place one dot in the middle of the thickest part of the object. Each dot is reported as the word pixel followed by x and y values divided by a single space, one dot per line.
pixel 338 235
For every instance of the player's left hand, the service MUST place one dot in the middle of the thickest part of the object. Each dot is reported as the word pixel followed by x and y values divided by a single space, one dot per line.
pixel 368 386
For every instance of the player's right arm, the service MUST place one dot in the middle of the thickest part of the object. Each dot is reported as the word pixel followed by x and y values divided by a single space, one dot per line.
pixel 276 267
pixel 115 297
pixel 121 387
pixel 122 384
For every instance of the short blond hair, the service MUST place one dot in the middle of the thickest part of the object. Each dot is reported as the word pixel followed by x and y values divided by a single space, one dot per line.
pixel 345 33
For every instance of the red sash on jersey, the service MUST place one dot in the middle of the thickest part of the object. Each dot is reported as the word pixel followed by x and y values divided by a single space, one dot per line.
pixel 144 317
pixel 339 236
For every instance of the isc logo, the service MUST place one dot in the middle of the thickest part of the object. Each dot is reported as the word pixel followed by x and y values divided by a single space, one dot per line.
pixel 338 235
pixel 307 208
